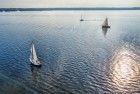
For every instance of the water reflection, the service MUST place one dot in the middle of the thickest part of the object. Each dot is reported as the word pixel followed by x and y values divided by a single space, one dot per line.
pixel 104 30
pixel 125 70
pixel 35 74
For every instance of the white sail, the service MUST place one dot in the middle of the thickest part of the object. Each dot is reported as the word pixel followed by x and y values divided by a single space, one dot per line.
pixel 105 22
pixel 33 57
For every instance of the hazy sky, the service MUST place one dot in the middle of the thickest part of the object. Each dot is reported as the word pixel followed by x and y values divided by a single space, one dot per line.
pixel 69 3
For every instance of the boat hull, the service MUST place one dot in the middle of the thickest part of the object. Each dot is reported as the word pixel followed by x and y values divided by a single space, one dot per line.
pixel 33 65
pixel 81 20
pixel 105 26
pixel 37 63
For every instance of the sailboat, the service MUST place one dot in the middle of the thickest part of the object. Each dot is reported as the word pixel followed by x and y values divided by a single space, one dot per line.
pixel 33 57
pixel 105 24
pixel 81 19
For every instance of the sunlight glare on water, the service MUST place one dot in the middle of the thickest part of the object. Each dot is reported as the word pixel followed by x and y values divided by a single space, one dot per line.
pixel 125 69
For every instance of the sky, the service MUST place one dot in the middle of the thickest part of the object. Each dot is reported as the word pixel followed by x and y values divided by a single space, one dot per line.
pixel 68 3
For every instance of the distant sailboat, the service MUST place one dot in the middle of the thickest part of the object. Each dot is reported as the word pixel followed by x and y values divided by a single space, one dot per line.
pixel 33 57
pixel 81 19
pixel 105 24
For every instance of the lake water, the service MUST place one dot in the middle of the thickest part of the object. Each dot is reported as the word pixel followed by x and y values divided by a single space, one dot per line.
pixel 77 57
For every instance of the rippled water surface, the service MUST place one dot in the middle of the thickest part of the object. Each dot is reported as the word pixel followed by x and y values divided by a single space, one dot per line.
pixel 77 57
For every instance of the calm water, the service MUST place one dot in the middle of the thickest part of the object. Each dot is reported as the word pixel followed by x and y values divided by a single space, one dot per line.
pixel 77 57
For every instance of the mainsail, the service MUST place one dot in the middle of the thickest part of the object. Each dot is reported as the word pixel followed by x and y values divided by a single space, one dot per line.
pixel 33 57
pixel 105 24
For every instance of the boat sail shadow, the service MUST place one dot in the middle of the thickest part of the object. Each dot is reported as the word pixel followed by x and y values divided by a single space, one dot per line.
pixel 105 30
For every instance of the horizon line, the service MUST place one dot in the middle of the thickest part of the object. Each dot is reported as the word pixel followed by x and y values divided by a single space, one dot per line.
pixel 69 8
